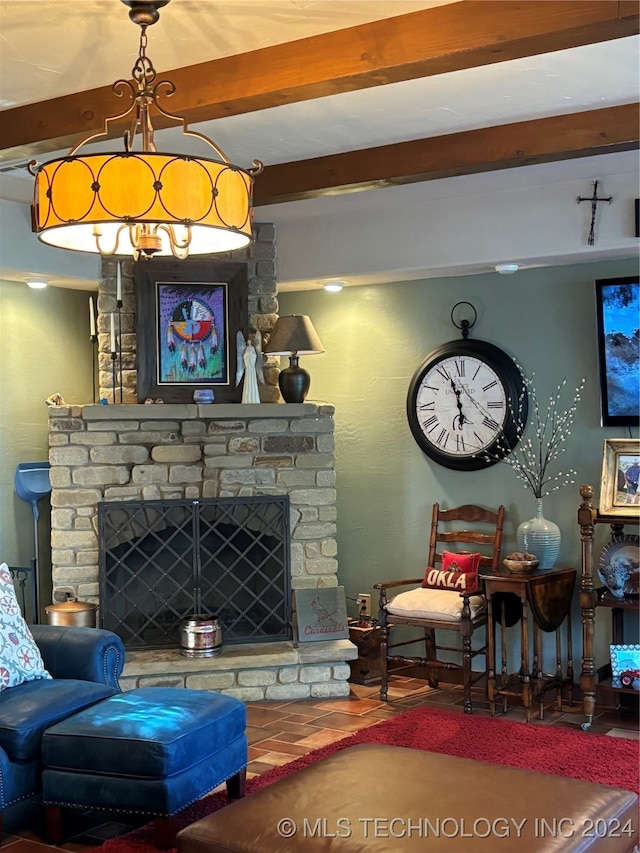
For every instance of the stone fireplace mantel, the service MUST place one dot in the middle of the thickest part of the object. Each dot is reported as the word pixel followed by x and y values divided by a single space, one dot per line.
pixel 193 411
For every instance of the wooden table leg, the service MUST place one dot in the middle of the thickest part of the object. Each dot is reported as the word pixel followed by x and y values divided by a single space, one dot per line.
pixel 559 678
pixel 570 677
pixel 524 665
pixel 504 671
pixel 491 658
pixel 537 672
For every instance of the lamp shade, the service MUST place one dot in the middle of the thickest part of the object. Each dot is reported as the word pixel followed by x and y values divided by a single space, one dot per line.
pixel 151 202
pixel 294 335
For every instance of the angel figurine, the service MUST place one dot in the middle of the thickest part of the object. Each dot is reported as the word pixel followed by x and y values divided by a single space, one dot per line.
pixel 249 365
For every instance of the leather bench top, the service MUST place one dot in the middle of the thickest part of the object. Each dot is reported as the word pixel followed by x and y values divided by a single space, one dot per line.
pixel 384 798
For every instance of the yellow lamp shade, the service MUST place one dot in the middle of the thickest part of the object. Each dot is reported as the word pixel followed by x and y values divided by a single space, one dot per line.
pixel 99 202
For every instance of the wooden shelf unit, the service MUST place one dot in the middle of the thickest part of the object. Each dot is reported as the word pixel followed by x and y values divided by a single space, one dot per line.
pixel 592 597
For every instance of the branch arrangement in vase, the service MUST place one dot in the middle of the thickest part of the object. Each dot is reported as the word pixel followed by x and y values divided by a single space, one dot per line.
pixel 533 456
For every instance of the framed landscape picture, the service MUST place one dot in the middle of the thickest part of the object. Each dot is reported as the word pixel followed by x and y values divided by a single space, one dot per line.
pixel 618 319
pixel 188 316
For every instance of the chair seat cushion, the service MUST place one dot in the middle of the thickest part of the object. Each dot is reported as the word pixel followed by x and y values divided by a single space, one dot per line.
pixel 30 708
pixel 435 604
pixel 148 733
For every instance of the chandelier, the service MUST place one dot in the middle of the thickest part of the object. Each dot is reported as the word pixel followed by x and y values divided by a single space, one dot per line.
pixel 143 202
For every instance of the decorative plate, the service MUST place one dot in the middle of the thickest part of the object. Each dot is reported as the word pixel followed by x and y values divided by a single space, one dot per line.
pixel 619 565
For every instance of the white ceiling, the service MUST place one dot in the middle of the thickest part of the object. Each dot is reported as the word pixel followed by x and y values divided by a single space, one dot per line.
pixel 50 48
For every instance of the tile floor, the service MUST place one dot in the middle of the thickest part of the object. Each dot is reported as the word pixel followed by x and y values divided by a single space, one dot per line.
pixel 280 732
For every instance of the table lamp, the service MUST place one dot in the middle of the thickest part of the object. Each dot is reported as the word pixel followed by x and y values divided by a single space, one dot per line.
pixel 294 336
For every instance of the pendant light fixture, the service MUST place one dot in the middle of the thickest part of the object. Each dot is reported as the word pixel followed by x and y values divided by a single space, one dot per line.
pixel 143 202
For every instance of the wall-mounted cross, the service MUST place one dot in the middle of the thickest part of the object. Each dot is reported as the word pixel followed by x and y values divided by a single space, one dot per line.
pixel 594 199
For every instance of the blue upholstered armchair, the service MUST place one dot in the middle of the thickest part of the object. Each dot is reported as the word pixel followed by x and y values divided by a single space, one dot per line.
pixel 85 664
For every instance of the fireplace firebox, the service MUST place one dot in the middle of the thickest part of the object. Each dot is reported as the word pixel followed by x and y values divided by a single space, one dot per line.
pixel 164 561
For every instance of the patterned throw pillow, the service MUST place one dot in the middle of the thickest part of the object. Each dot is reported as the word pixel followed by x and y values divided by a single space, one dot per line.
pixel 464 562
pixel 450 580
pixel 20 658
pixel 459 573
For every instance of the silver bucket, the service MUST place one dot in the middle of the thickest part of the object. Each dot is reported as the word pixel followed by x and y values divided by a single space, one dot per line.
pixel 200 637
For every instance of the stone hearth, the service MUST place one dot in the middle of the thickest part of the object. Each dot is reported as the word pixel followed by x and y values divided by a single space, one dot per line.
pixel 253 672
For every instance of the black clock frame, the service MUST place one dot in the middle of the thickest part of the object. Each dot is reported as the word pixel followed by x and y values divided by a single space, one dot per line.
pixel 517 404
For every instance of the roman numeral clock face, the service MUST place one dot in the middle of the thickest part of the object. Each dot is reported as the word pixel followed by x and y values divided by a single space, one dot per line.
pixel 461 404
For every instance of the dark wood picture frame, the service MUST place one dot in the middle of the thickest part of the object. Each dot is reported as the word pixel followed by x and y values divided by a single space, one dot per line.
pixel 617 302
pixel 227 281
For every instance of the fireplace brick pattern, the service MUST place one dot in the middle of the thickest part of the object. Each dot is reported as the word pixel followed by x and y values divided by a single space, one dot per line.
pixel 150 452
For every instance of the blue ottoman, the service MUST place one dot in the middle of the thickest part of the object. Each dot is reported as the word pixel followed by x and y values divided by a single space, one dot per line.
pixel 150 751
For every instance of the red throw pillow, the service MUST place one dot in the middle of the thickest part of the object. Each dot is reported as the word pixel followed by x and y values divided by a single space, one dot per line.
pixel 453 581
pixel 460 562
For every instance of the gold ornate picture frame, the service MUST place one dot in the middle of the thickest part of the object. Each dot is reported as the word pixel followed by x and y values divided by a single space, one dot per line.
pixel 620 465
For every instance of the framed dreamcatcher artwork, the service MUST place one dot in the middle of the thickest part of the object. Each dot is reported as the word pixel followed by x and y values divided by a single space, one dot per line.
pixel 188 316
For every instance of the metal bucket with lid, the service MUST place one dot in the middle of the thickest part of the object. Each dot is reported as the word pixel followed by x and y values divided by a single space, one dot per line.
pixel 200 637
pixel 71 612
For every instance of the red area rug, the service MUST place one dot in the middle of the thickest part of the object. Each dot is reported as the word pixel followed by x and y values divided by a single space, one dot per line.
pixel 547 749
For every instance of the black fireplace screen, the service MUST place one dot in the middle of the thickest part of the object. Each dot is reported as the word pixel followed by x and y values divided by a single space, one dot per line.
pixel 165 561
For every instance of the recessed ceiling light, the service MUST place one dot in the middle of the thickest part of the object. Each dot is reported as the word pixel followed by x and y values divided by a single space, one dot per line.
pixel 37 282
pixel 333 286
pixel 507 269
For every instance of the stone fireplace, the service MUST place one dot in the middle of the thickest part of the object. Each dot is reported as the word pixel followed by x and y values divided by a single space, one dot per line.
pixel 161 452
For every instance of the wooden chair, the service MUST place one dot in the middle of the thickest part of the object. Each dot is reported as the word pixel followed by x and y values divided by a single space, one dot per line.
pixel 440 610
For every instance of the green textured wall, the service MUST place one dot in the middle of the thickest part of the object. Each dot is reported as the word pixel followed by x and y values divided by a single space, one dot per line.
pixel 44 349
pixel 376 337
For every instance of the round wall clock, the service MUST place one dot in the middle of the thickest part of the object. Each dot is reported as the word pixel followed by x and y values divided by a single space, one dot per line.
pixel 467 404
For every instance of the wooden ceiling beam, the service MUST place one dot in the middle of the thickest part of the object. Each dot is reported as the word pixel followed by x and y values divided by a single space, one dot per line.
pixel 525 143
pixel 458 36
